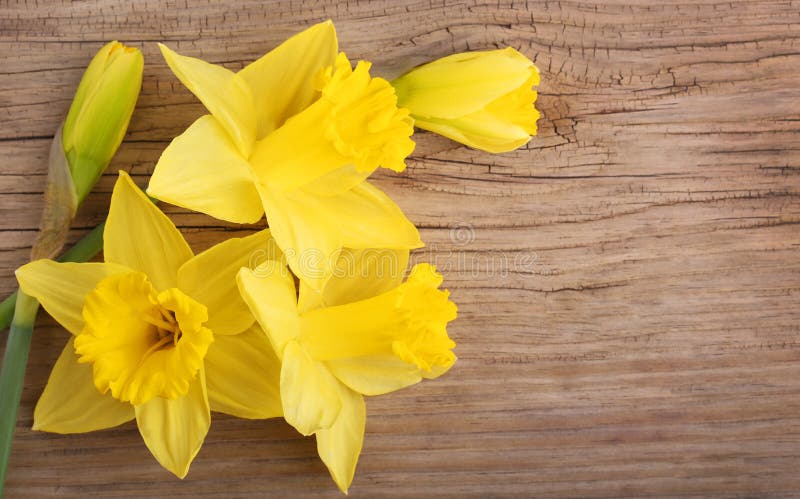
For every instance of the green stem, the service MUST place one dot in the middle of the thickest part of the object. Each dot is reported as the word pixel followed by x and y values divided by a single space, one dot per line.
pixel 7 310
pixel 83 251
pixel 12 374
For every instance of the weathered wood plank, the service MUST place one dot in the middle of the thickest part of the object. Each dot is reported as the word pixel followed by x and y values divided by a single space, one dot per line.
pixel 628 283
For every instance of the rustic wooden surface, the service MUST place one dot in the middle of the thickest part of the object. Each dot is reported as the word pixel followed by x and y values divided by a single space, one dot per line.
pixel 628 283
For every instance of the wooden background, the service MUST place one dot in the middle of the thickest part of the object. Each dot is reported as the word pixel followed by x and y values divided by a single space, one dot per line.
pixel 628 283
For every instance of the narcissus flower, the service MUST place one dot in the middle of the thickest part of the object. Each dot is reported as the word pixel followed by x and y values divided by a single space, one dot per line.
pixel 294 134
pixel 159 335
pixel 481 99
pixel 360 336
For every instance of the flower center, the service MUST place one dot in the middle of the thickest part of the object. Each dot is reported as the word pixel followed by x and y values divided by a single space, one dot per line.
pixel 167 328
pixel 142 344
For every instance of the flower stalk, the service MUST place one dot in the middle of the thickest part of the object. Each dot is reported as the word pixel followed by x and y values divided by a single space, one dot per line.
pixel 12 373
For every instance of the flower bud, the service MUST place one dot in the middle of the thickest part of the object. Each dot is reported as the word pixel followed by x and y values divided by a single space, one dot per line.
pixel 482 99
pixel 100 112
pixel 84 145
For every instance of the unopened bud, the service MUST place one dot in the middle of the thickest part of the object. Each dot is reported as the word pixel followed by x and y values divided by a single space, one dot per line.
pixel 100 112
pixel 82 148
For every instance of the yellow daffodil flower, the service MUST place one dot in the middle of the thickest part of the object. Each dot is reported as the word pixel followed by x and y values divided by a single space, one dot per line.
pixel 294 134
pixel 364 334
pixel 159 335
pixel 481 99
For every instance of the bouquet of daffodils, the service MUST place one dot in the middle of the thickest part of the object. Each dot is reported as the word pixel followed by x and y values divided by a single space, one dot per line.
pixel 300 320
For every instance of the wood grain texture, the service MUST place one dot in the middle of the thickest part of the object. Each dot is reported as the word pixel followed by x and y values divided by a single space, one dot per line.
pixel 628 283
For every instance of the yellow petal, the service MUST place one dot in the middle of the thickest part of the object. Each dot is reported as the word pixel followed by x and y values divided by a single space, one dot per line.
pixel 518 106
pixel 270 294
pixel 71 404
pixel 62 287
pixel 340 445
pixel 210 278
pixel 358 275
pixel 283 80
pixel 480 130
pixel 243 376
pixel 202 170
pixel 224 93
pixel 311 229
pixel 375 374
pixel 370 219
pixel 338 181
pixel 174 430
pixel 461 84
pixel 139 236
pixel 309 392
pixel 308 235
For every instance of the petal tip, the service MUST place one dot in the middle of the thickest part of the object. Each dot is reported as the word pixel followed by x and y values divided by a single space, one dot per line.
pixel 329 26
pixel 125 179
pixel 166 52
pixel 125 183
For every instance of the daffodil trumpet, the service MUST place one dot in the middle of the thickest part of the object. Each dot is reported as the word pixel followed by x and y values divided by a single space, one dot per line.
pixel 358 336
pixel 158 334
pixel 482 99
pixel 293 135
